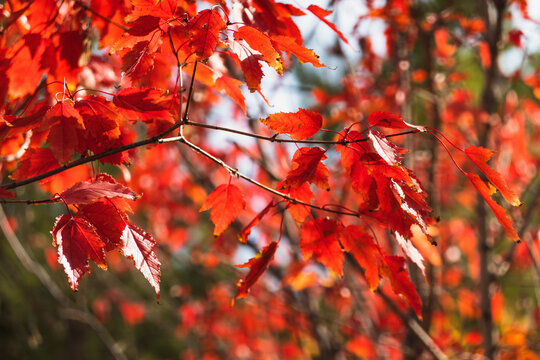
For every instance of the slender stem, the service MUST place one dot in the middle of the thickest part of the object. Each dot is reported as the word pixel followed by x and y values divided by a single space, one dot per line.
pixel 190 94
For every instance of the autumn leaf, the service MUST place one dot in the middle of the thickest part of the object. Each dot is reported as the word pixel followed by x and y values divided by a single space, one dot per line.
pixel 262 43
pixel 204 30
pixel 77 241
pixel 231 87
pixel 321 14
pixel 486 192
pixel 307 166
pixel 35 162
pixel 141 103
pixel 88 192
pixel 300 125
pixel 303 193
pixel 226 201
pixel 243 235
pixel 480 156
pixel 257 266
pixel 319 239
pixel 391 121
pixel 396 271
pixel 144 25
pixel 140 246
pixel 289 44
pixel 108 221
pixel 368 254
pixel 252 72
pixel 387 150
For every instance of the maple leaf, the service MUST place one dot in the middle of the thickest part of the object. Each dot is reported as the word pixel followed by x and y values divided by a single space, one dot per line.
pixel 262 43
pixel 368 254
pixel 387 150
pixel 226 202
pixel 321 14
pixel 319 239
pixel 140 246
pixel 204 30
pixel 257 266
pixel 391 121
pixel 144 25
pixel 480 156
pixel 252 72
pixel 231 87
pixel 88 192
pixel 77 241
pixel 499 211
pixel 396 271
pixel 141 103
pixel 35 162
pixel 303 193
pixel 289 44
pixel 307 166
pixel 243 235
pixel 300 125
pixel 108 221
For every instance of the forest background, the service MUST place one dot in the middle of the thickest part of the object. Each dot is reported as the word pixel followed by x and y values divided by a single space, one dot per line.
pixel 375 197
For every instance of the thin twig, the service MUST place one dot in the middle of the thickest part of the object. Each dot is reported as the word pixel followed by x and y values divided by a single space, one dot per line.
pixel 236 173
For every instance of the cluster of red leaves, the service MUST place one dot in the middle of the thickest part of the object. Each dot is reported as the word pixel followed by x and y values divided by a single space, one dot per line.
pixel 148 41
pixel 100 225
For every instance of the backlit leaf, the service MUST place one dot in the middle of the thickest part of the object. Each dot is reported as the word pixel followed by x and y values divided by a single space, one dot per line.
pixel 140 246
pixel 257 266
pixel 300 125
pixel 307 166
pixel 321 14
pixel 480 156
pixel 319 239
pixel 226 201
pixel 499 211
pixel 401 284
pixel 87 192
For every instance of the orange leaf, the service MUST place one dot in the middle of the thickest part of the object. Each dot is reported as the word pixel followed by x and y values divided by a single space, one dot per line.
pixel 289 44
pixel 262 43
pixel 480 156
pixel 300 125
pixel 319 239
pixel 321 14
pixel 231 87
pixel 226 202
pixel 257 266
pixel 499 212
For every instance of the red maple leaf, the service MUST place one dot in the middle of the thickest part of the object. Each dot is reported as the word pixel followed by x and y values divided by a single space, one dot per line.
pixel 140 246
pixel 499 211
pixel 480 156
pixel 396 271
pixel 300 125
pixel 307 166
pixel 257 266
pixel 226 202
pixel 86 192
pixel 319 239
pixel 77 241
